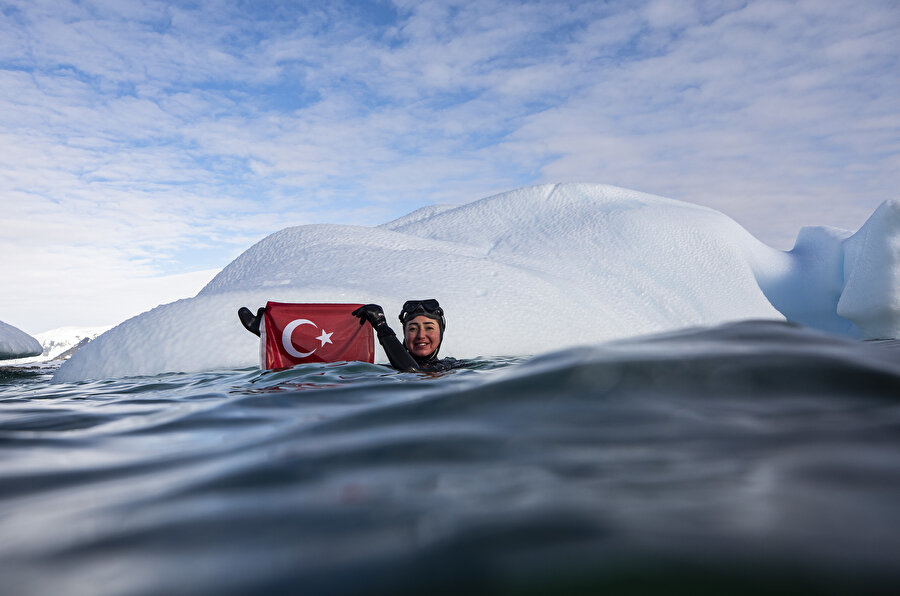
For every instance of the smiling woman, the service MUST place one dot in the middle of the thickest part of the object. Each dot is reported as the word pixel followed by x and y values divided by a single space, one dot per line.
pixel 423 331
pixel 421 336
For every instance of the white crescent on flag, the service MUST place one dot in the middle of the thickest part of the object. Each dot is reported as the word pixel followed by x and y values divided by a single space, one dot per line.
pixel 286 337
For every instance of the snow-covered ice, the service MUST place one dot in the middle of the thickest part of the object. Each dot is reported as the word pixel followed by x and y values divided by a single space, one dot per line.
pixel 15 343
pixel 525 272
pixel 60 343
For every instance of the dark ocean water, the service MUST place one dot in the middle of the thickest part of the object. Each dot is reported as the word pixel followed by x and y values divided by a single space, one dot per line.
pixel 755 457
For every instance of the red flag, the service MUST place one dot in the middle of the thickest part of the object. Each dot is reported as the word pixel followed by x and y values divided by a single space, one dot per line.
pixel 296 333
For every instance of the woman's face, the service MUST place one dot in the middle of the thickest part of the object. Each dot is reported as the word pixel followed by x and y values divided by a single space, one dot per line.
pixel 422 335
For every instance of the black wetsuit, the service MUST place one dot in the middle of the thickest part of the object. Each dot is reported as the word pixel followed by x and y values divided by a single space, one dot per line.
pixel 403 360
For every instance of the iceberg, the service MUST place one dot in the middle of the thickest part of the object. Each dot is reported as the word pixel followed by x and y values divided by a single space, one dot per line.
pixel 60 343
pixel 525 272
pixel 15 343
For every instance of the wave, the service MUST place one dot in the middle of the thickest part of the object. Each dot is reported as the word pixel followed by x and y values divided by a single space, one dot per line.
pixel 758 453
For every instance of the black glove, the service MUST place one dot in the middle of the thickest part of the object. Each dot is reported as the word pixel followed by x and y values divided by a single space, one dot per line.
pixel 371 313
pixel 250 322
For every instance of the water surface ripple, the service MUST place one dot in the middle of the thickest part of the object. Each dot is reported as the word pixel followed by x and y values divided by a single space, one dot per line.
pixel 746 458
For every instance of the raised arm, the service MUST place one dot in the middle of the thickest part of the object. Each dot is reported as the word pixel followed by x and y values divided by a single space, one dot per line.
pixel 396 353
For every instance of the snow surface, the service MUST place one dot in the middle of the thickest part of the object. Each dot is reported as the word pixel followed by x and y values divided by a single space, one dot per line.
pixel 58 343
pixel 15 343
pixel 525 272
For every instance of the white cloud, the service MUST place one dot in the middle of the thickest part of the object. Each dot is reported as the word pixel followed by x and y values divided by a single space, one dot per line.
pixel 150 138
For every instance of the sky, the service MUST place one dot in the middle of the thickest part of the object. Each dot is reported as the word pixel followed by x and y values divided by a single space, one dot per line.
pixel 144 145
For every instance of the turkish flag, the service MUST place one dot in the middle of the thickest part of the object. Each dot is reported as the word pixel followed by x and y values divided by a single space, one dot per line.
pixel 295 333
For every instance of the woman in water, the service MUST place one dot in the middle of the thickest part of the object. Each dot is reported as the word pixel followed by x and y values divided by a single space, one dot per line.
pixel 423 331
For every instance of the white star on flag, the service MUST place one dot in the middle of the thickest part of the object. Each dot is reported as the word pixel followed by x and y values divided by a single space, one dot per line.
pixel 325 338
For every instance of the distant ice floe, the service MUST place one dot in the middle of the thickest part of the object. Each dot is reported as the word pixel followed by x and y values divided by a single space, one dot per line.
pixel 15 343
pixel 526 272
pixel 60 343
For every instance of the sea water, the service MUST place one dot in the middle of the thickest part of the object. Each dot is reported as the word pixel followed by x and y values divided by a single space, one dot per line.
pixel 747 458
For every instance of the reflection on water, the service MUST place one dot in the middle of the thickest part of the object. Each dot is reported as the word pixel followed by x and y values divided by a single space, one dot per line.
pixel 751 457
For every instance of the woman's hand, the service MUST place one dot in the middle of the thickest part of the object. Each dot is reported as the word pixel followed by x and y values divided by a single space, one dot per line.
pixel 371 313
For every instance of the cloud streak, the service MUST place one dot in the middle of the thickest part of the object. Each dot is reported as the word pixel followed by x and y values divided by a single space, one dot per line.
pixel 141 140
